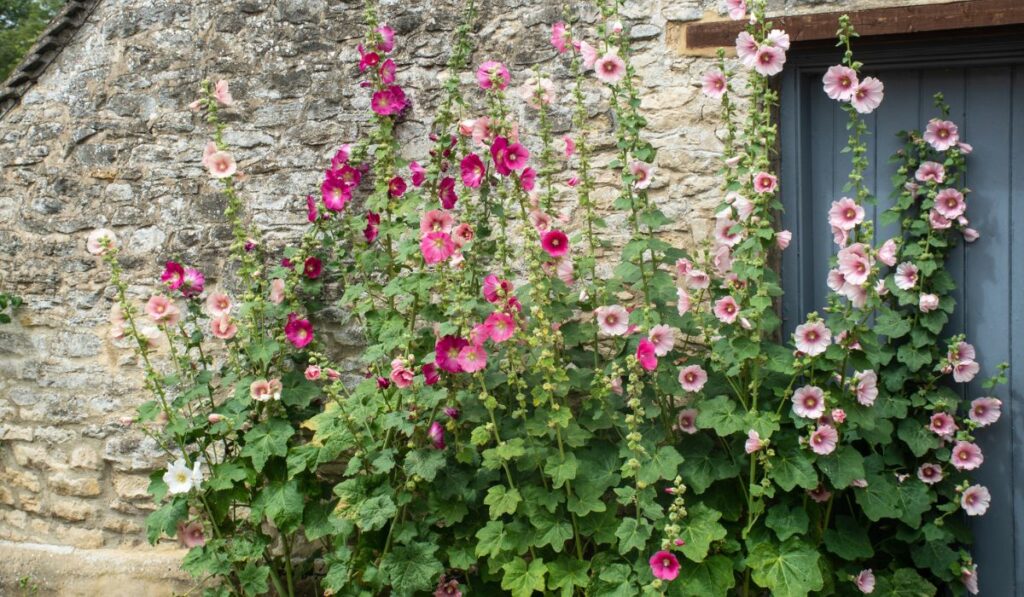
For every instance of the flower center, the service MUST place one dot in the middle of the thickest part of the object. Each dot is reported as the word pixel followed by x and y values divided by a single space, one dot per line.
pixel 943 133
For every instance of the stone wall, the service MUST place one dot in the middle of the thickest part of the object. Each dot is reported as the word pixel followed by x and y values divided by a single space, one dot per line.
pixel 103 137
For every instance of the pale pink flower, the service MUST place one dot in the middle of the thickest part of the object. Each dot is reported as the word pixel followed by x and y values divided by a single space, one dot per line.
pixel 714 84
pixel 482 130
pixel 845 214
pixel 221 165
pixel 401 374
pixel 612 320
pixel 930 171
pixel 868 95
pixel 641 174
pixel 906 275
pixel 840 82
pixel 492 74
pixel 867 387
pixel 692 378
pixel 664 339
pixel 964 371
pixel 100 241
pixel 765 182
pixel 778 38
pixel 723 259
pixel 928 302
pixel 942 425
pixel 782 239
pixel 610 68
pixel 966 456
pixel 753 443
pixel 162 310
pixel 725 234
pixel 812 338
pixel 215 418
pixel 726 309
pixel 809 402
pixel 312 373
pixel 961 352
pixel 965 148
pixel 218 303
pixel 616 385
pixel 938 221
pixel 969 576
pixel 537 91
pixel 970 235
pixel 697 279
pixel 683 267
pixel 746 49
pixel 588 54
pixel 941 134
pixel 866 581
pixel 737 9
pixel 117 322
pixel 855 264
pixel 263 390
pixel 462 234
pixel 887 252
pixel 222 327
pixel 687 421
pixel 985 411
pixel 769 60
pixel 950 203
pixel 436 220
pixel 929 473
pixel 823 440
pixel 975 500
pixel 838 416
pixel 500 326
pixel 560 37
pixel 277 291
pixel 682 301
pixel 222 93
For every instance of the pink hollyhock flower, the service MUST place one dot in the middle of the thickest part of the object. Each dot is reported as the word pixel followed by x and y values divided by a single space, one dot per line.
pixel 388 72
pixel 845 214
pixel 778 38
pixel 664 565
pixel 942 425
pixel 222 93
pixel 969 576
pixel 462 234
pixel 573 181
pixel 866 581
pixel 887 252
pixel 645 354
pixel 100 241
pixel 616 385
pixel 570 146
pixel 809 402
pixel 692 378
pixel 436 247
pixel 726 309
pixel 541 221
pixel 855 264
pixel 277 291
pixel 985 411
pixel 332 374
pixel 515 157
pixel 298 331
pixel 812 338
pixel 436 435
pixel 687 421
pixel 612 320
pixel 500 326
pixel 867 95
pixel 713 84
pixel 840 82
pixel 419 174
pixel 367 60
pixel 473 170
pixel 930 171
pixel 447 588
pixel 964 371
pixel 819 494
pixel 725 232
pixel 312 268
pixel 753 443
pixel 682 301
pixel 372 228
pixel 191 534
pixel 389 101
pixel 436 220
pixel 341 156
pixel 401 374
pixel 528 179
pixel 560 37
pixel 472 358
pixel 641 174
pixel 387 39
pixel 975 500
pixel 493 74
pixel 383 383
pixel 312 373
pixel 555 243
pixel 906 275
pixel 610 68
pixel 480 130
pixel 222 327
pixel 867 387
pixel 970 235
pixel 683 267
pixel 588 54
pixel 769 60
pixel 538 91
pixel 335 193
pixel 396 187
pixel 446 353
pixel 823 440
pixel 966 456
pixel 221 164
pixel 746 49
pixel 950 203
pixel 664 339
pixel 162 310
pixel 312 212
pixel 941 134
pixel 765 182
pixel 737 9
pixel 929 473
pixel 965 148
pixel 928 302
pixel 723 259
pixel 495 288
pixel 782 239
pixel 263 390
pixel 697 279
pixel 938 221
pixel 742 206
pixel 430 374
pixel 961 352
pixel 192 282
pixel 615 27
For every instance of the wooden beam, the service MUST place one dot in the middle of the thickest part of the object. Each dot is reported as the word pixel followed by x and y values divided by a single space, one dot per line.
pixel 962 14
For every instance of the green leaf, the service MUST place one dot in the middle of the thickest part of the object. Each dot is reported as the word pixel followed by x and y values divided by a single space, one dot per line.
pixel 157 486
pixel 375 512
pixel 663 464
pixel 269 438
pixel 878 499
pixel 566 573
pixel 633 533
pixel 843 466
pixel 913 499
pixel 164 521
pixel 705 464
pixel 936 556
pixel 789 569
pixel 253 579
pixel 849 540
pixel 700 529
pixel 424 463
pixel 502 500
pixel 786 521
pixel 905 582
pixel 493 539
pixel 720 414
pixel 551 530
pixel 561 471
pixel 917 437
pixel 281 503
pixel 711 578
pixel 890 323
pixel 523 580
pixel 226 475
pixel 913 358
pixel 411 568
pixel 792 468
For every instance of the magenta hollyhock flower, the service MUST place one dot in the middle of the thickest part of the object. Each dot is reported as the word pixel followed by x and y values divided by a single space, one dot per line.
pixel 419 174
pixel 500 326
pixel 372 226
pixel 436 220
pixel 430 374
pixel 975 500
pixel 560 37
pixel 645 354
pixel 174 275
pixel 192 282
pixel 498 148
pixel 387 39
pixel 746 49
pixel 737 9
pixel 473 170
pixel 222 327
pixel 367 59
pixel 312 213
pixel 769 60
pixel 865 581
pixel 969 576
pixel 867 95
pixel 726 309
pixel 515 157
pixel 341 156
pixel 190 534
pixel 401 374
pixel 887 252
pixel 495 288
pixel 929 473
pixel 388 72
pixel 845 214
pixel 928 302
pixel 823 440
pixel 664 339
pixel 570 146
pixel 610 68
pixel 664 565
pixel 686 421
pixel 809 402
pixel 493 74
pixel 446 192
pixel 312 268
pixel 298 331
pixel 930 171
pixel 388 101
pixel 985 411
pixel 867 387
pixel 436 434
pixel 446 353
pixel 906 275
pixel 612 320
pixel 950 203
pixel 941 134
pixel 396 188
pixel 335 193
pixel 451 412
pixel 447 588
pixel 383 383
pixel 162 310
pixel 942 425
pixel 692 378
pixel 555 243
pixel 966 456
pixel 436 247
pixel 753 443
pixel 714 84
pixel 528 179
pixel 472 358
pixel 840 82
pixel 641 172
pixel 765 182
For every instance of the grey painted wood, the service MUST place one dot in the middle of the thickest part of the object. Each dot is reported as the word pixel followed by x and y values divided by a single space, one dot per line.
pixel 984 85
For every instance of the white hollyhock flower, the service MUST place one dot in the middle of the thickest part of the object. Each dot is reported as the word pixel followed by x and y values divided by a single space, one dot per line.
pixel 179 478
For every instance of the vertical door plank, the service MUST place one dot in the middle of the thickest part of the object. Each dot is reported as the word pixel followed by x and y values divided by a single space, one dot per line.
pixel 1011 395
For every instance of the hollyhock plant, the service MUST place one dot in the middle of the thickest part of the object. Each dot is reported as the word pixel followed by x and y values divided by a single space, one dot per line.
pixel 906 276
pixel 221 164
pixel 867 387
pixel 845 214
pixel 746 49
pixel 943 425
pixel 312 268
pixel 447 351
pixel 765 182
pixel 436 434
pixel 560 37
pixel 754 442
pixel 737 9
pixel 161 310
pixel 190 534
pixel 500 326
pixel 174 275
pixel 472 358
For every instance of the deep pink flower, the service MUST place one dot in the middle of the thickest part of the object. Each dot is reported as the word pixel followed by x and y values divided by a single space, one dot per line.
pixel 560 37
pixel 930 171
pixel 446 353
pixel 726 309
pixel 570 146
pixel 312 268
pixel 396 188
pixel 515 157
pixel 714 84
pixel 769 60
pixel 174 275
pixel 192 282
pixel 436 220
pixel 528 179
pixel 372 223
pixel 436 247
pixel 419 174
pixel 472 358
pixel 866 581
pixel 388 101
pixel 985 411
pixel 765 182
pixel 473 170
pixel 646 356
pixel 941 134
pixel 610 68
pixel 387 39
pixel 312 213
pixel 823 440
pixel 446 192
pixel 809 402
pixel 367 59
pixel 664 565
pixel 868 95
pixel 840 82
pixel 335 193
pixel 430 374
pixel 312 373
pixel 845 214
pixel 966 456
pixel 906 275
pixel 436 434
pixel 493 74
pixel 298 331
pixel 975 500
pixel 500 326
pixel 495 288
pixel 555 243
pixel 692 378
pixel 929 473
pixel 950 203
pixel 388 72
pixel 686 421
pixel 612 320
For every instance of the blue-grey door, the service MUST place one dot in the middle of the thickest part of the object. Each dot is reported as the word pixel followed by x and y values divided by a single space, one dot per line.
pixel 982 77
